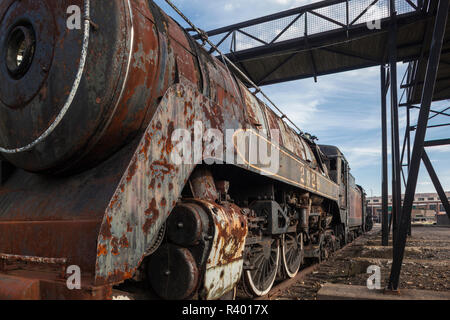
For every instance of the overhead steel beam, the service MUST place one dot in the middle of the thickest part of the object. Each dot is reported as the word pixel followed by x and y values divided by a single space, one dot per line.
pixel 350 54
pixel 271 17
pixel 433 126
pixel 286 28
pixel 277 68
pixel 416 158
pixel 404 86
pixel 436 143
pixel 312 8
pixel 327 38
pixel 219 43
pixel 436 113
pixel 364 12
pixel 440 113
pixel 319 74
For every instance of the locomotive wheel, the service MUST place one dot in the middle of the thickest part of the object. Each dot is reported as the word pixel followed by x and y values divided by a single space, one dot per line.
pixel 328 245
pixel 265 260
pixel 291 254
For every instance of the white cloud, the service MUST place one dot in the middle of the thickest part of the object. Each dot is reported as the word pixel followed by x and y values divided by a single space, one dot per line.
pixel 229 7
pixel 362 156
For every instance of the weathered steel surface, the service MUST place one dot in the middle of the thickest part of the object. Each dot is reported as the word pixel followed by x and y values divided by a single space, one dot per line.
pixel 134 55
pixel 292 169
pixel 355 212
pixel 39 284
pixel 152 184
pixel 59 217
pixel 203 185
pixel 39 260
pixel 91 88
pixel 173 272
pixel 203 252
pixel 142 79
pixel 14 288
pixel 225 262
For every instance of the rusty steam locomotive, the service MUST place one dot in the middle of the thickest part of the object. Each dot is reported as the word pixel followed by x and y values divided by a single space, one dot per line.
pixel 87 119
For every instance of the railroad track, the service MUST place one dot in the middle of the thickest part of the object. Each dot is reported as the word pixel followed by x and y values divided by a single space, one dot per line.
pixel 139 294
pixel 276 290
pixel 285 284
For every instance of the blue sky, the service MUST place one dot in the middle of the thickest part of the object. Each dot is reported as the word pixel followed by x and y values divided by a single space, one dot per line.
pixel 341 109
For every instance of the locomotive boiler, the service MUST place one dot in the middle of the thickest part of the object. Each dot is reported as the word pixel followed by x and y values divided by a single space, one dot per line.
pixel 88 178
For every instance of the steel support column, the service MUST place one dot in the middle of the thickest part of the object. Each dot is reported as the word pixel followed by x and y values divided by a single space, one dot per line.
pixel 408 128
pixel 416 157
pixel 396 165
pixel 408 133
pixel 384 143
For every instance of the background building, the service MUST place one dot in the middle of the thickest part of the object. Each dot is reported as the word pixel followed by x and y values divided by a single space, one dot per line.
pixel 426 206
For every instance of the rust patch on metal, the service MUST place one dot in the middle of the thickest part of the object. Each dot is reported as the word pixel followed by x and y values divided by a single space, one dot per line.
pixel 115 246
pixel 102 250
pixel 105 230
pixel 124 242
pixel 132 170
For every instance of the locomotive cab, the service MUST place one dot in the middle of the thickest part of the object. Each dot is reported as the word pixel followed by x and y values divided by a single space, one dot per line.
pixel 339 170
pixel 351 197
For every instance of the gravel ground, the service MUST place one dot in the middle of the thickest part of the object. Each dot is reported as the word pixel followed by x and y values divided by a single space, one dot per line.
pixel 426 265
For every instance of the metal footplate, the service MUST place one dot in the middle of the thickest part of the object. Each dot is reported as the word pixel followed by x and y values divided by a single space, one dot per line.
pixel 38 278
pixel 59 262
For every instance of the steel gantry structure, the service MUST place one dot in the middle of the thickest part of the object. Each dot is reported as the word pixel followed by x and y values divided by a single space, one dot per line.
pixel 402 216
pixel 340 35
